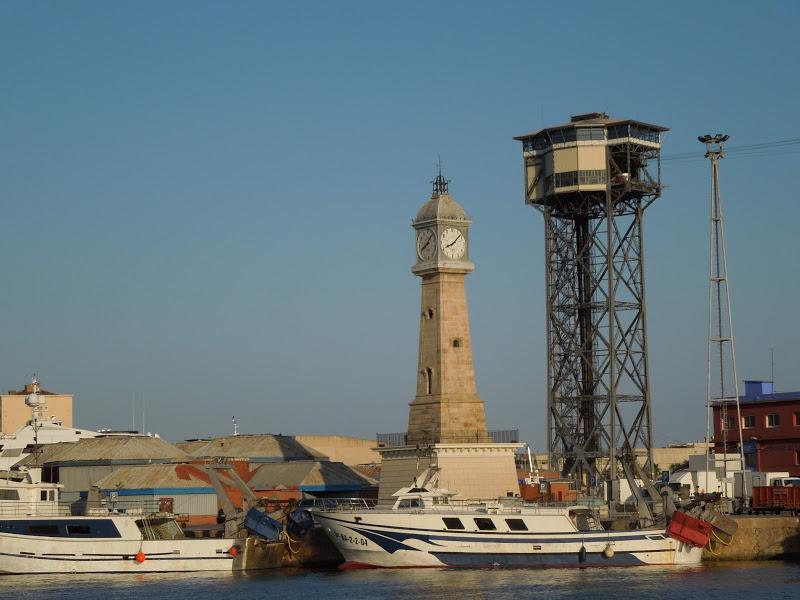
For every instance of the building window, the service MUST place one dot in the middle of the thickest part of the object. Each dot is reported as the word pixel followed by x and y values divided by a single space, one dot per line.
pixel 797 419
pixel 457 343
pixel 773 420
pixel 797 456
pixel 429 380
pixel 748 421
pixel 728 423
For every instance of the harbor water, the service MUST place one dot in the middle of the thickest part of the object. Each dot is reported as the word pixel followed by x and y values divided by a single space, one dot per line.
pixel 766 579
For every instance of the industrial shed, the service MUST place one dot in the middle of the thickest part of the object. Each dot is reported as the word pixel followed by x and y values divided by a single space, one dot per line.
pixel 181 489
pixel 263 448
pixel 318 478
pixel 77 466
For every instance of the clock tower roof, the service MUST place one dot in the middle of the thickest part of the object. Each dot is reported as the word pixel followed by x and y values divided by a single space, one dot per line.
pixel 441 206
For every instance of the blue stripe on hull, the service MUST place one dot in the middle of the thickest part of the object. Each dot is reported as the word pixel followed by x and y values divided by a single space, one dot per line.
pixel 463 559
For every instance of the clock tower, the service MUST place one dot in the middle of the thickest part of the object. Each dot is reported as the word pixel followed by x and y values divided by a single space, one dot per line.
pixel 447 408
pixel 446 423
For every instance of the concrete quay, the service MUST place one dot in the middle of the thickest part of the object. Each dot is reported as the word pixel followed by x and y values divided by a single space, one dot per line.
pixel 759 538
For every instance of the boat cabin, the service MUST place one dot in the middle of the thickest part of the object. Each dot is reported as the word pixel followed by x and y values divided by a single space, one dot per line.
pixel 20 498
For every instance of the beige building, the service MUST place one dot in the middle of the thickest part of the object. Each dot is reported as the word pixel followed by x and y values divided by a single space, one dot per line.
pixel 447 422
pixel 663 457
pixel 14 413
pixel 344 449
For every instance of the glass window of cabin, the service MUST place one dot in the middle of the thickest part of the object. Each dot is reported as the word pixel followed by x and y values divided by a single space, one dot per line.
pixel 748 421
pixel 453 523
pixel 43 495
pixel 50 530
pixel 773 420
pixel 9 495
pixel 485 524
pixel 617 131
pixel 79 530
pixel 516 525
pixel 51 495
pixel 404 504
pixel 590 133
pixel 414 503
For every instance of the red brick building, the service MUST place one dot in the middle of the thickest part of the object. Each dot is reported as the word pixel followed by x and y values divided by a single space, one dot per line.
pixel 770 428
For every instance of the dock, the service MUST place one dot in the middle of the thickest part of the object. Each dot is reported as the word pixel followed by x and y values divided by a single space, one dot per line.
pixel 759 538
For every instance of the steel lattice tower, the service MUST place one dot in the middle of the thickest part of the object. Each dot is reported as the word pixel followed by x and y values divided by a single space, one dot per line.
pixel 592 180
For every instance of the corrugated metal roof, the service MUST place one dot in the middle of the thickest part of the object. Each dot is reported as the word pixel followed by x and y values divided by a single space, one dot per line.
pixel 137 477
pixel 149 476
pixel 106 450
pixel 264 447
pixel 307 473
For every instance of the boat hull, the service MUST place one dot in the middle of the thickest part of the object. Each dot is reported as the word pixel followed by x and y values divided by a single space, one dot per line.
pixel 369 544
pixel 115 552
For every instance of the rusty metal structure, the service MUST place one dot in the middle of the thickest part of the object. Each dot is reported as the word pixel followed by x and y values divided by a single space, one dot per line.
pixel 592 179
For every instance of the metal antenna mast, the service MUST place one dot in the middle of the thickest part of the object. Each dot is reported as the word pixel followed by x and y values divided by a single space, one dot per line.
pixel 592 180
pixel 721 353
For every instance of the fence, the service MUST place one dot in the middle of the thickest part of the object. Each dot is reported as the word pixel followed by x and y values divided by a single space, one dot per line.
pixel 499 436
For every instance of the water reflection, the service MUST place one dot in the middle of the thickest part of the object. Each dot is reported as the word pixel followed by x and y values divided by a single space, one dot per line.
pixel 723 580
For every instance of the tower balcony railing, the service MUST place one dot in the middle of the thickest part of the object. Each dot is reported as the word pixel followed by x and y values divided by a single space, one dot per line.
pixel 499 436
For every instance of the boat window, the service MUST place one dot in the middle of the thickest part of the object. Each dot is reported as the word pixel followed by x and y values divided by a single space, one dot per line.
pixel 79 530
pixel 453 523
pixel 516 525
pixel 9 495
pixel 409 503
pixel 43 495
pixel 485 524
pixel 51 495
pixel 51 530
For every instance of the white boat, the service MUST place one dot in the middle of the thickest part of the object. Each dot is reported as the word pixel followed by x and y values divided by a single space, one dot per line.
pixel 39 535
pixel 426 528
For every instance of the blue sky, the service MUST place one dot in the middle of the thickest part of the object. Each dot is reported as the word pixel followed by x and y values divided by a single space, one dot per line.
pixel 207 205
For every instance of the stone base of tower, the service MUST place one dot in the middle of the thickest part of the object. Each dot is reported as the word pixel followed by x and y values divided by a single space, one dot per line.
pixel 451 421
pixel 475 471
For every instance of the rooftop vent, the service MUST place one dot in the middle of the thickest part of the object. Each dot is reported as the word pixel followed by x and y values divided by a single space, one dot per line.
pixel 588 117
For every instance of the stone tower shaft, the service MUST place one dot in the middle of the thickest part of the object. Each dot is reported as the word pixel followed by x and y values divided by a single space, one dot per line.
pixel 447 408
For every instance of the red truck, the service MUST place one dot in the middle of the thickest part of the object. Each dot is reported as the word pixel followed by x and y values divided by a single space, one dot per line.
pixel 775 498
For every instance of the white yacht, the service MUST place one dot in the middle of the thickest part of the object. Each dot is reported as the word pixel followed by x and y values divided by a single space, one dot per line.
pixel 427 528
pixel 40 535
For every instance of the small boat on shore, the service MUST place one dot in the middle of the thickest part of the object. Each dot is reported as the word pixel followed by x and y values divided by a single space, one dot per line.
pixel 40 535
pixel 427 528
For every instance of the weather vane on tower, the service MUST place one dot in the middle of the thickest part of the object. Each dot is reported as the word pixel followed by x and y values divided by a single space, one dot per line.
pixel 440 183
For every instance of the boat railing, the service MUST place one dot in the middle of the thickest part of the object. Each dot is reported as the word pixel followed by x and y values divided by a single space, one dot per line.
pixel 34 509
pixel 79 508
pixel 484 507
pixel 339 504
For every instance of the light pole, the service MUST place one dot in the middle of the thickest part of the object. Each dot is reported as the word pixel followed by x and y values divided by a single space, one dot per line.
pixel 720 316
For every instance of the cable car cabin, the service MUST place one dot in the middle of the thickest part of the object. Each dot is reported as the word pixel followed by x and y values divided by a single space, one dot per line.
pixel 589 155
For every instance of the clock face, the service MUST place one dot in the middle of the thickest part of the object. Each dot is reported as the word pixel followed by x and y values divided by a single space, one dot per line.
pixel 453 243
pixel 426 244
